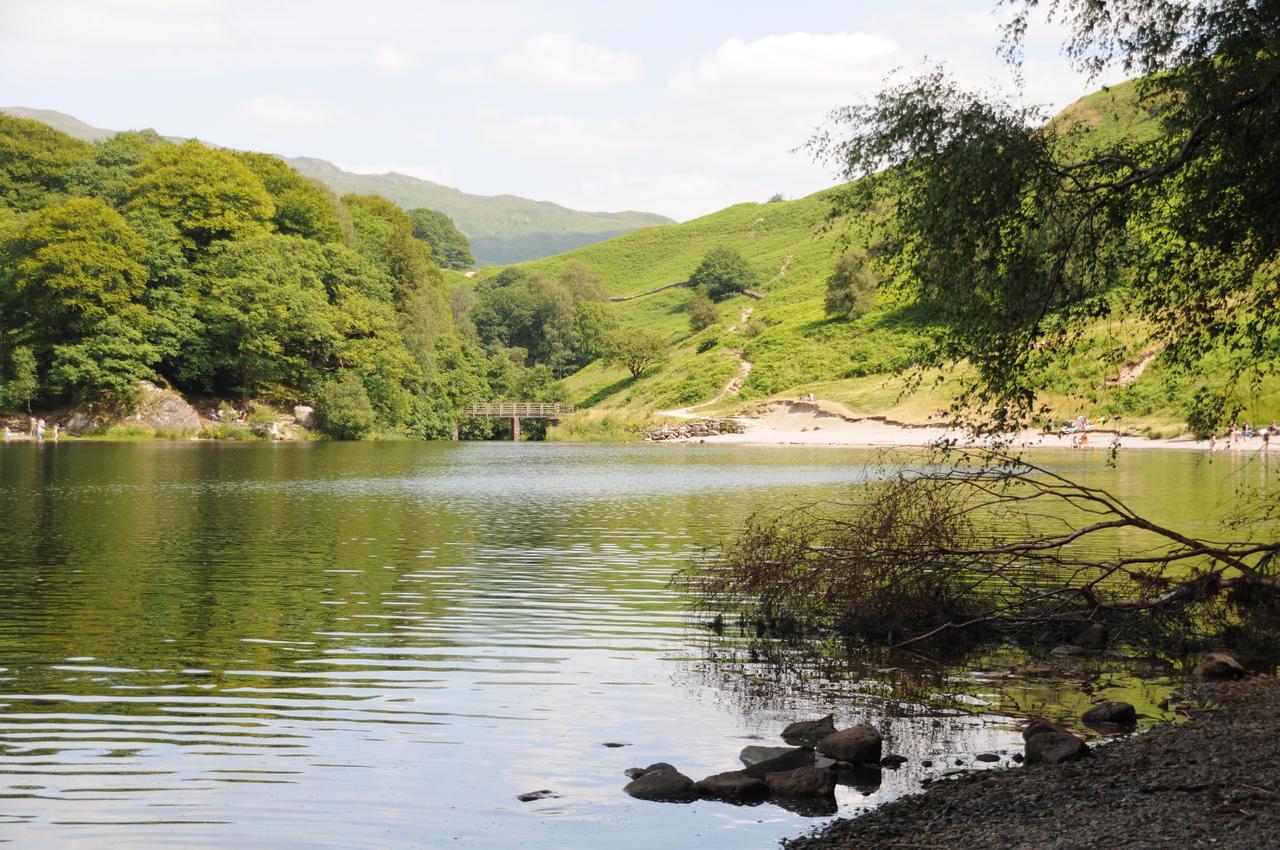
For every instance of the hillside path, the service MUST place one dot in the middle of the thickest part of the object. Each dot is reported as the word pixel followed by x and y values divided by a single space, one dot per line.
pixel 734 385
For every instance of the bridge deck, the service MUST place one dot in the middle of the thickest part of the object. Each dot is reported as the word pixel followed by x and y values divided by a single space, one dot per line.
pixel 522 409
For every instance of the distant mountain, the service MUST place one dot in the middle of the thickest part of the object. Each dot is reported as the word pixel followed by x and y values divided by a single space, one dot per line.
pixel 502 228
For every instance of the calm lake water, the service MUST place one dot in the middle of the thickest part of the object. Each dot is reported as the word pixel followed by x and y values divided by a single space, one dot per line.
pixel 381 645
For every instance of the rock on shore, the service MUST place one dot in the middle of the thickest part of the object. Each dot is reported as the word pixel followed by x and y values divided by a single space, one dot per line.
pixel 1210 782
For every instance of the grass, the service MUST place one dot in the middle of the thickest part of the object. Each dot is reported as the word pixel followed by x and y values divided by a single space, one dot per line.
pixel 795 348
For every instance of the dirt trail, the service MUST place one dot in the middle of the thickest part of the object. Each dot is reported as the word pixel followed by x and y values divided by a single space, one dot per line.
pixel 734 385
pixel 1131 372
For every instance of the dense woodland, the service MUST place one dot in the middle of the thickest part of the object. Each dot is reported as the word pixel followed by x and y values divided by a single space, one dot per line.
pixel 228 275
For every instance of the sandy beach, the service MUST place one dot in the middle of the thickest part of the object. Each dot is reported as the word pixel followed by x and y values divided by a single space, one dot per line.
pixel 823 423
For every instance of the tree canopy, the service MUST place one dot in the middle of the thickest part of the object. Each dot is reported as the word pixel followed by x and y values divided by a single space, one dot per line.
pixel 1021 233
pixel 229 274
pixel 724 272
pixel 449 247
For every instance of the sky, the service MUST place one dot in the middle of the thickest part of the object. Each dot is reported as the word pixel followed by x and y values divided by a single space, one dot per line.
pixel 679 108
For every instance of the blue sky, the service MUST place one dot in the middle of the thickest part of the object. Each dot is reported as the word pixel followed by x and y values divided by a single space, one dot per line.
pixel 680 108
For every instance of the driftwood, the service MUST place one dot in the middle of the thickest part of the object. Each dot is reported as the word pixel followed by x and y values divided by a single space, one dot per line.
pixel 985 543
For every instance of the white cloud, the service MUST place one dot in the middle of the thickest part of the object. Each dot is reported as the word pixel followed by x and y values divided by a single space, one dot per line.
pixel 277 111
pixel 798 68
pixel 390 59
pixel 559 62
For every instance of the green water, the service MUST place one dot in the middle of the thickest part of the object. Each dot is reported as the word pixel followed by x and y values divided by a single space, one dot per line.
pixel 381 645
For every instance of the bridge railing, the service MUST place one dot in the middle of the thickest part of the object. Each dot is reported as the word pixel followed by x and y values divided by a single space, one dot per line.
pixel 527 409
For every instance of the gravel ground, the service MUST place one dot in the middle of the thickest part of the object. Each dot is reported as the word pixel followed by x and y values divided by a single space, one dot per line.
pixel 1213 781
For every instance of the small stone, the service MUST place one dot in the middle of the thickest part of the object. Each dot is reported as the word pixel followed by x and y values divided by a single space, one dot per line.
pixel 662 786
pixel 733 785
pixel 987 757
pixel 1219 665
pixel 802 782
pixel 809 732
pixel 614 745
pixel 857 745
pixel 1054 746
pixel 893 761
pixel 1111 713
pixel 927 763
pixel 530 796
pixel 788 760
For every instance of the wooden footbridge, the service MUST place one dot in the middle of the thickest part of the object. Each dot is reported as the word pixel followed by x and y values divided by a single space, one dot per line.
pixel 515 411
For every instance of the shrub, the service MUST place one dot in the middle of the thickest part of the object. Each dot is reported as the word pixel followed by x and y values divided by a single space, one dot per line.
pixel 343 410
pixel 703 312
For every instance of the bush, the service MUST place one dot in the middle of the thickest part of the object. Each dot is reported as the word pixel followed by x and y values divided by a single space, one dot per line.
pixel 343 410
pixel 703 312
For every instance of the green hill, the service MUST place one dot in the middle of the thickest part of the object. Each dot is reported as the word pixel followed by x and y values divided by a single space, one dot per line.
pixel 794 348
pixel 501 228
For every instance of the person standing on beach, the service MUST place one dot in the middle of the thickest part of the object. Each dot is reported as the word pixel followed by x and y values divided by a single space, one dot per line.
pixel 40 429
pixel 55 432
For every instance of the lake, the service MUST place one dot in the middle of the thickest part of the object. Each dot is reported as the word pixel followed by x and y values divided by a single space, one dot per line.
pixel 380 645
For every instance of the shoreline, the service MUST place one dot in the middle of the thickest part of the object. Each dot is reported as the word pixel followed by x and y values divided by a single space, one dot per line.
pixel 1207 782
pixel 818 423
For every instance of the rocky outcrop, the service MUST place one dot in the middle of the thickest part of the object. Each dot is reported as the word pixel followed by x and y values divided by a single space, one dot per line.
pixel 695 429
pixel 789 760
pixel 304 416
pixel 809 732
pixel 1219 665
pixel 856 745
pixel 151 407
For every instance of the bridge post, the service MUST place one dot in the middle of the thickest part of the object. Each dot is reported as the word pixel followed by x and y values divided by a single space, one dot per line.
pixel 515 428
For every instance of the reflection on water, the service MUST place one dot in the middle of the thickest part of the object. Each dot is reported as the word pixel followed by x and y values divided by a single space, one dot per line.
pixel 382 645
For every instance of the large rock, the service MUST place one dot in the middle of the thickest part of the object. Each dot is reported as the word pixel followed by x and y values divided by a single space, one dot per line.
pixel 809 732
pixel 1111 714
pixel 798 757
pixel 656 767
pixel 304 416
pixel 856 745
pixel 151 407
pixel 663 786
pixel 1047 743
pixel 733 785
pixel 1219 665
pixel 802 782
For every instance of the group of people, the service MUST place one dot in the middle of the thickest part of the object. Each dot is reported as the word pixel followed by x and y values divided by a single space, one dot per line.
pixel 1238 435
pixel 38 429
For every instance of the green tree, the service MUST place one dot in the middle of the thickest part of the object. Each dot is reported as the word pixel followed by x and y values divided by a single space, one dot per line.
pixel 851 288
pixel 343 410
pixel 724 272
pixel 209 195
pixel 270 327
pixel 1019 234
pixel 449 246
pixel 303 207
pixel 34 162
pixel 74 293
pixel 703 312
pixel 24 380
pixel 635 350
pixel 109 172
pixel 384 234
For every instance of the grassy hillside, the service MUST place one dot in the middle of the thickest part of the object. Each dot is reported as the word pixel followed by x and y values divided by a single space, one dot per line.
pixel 794 348
pixel 501 228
